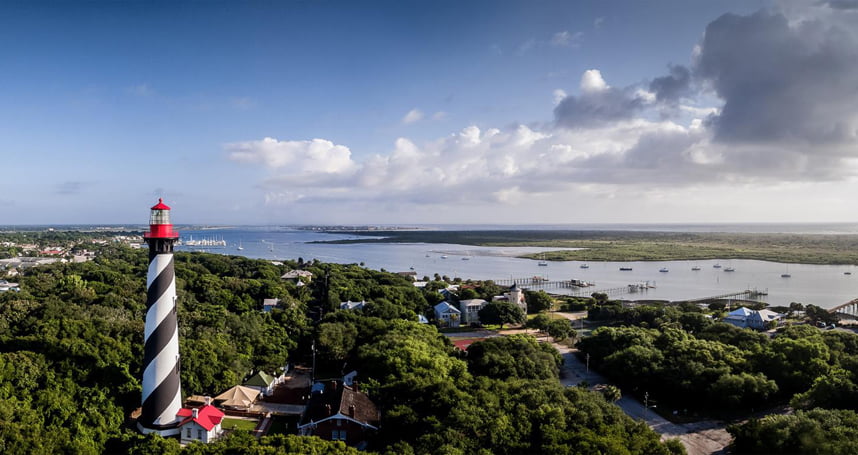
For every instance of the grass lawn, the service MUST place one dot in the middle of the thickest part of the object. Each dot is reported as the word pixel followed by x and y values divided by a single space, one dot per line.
pixel 238 424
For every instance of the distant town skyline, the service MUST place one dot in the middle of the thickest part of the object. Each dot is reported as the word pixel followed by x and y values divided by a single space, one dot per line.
pixel 479 112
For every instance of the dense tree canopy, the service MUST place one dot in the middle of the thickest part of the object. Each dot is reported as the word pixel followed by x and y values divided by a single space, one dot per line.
pixel 71 353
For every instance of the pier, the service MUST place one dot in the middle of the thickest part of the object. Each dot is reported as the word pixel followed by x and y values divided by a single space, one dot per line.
pixel 748 294
pixel 543 283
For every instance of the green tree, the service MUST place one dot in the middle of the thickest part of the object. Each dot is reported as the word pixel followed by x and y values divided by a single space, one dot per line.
pixel 538 301
pixel 501 313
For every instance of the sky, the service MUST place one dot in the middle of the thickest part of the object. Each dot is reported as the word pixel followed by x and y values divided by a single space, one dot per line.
pixel 414 112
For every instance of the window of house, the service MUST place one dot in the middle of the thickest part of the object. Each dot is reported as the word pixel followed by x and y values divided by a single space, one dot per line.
pixel 188 434
pixel 339 422
pixel 200 435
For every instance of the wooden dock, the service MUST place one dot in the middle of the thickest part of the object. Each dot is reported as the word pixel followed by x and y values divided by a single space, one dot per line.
pixel 748 294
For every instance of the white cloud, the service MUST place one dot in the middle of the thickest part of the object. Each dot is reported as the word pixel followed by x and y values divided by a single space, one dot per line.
pixel 566 39
pixel 414 115
pixel 440 115
pixel 559 94
pixel 297 157
pixel 591 81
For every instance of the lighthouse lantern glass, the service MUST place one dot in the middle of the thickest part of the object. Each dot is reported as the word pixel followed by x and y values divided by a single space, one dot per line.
pixel 159 217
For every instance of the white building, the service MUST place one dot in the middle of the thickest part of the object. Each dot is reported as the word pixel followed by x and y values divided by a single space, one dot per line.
pixel 200 424
pixel 349 305
pixel 514 295
pixel 471 310
pixel 447 315
pixel 747 318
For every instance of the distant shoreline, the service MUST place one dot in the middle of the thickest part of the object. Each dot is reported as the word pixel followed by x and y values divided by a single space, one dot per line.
pixel 618 246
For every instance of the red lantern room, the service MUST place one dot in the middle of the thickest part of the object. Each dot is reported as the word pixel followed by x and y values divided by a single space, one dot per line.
pixel 160 226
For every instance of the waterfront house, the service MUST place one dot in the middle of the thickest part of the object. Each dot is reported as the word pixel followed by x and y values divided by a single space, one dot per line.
pixel 513 295
pixel 471 310
pixel 447 315
pixel 754 319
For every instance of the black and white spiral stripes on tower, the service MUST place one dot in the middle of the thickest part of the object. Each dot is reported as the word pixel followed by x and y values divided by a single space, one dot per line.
pixel 162 391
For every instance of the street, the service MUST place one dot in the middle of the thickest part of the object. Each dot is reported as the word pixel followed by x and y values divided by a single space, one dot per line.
pixel 699 438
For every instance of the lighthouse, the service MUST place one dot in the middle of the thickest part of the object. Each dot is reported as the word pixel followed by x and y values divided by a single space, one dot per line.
pixel 162 390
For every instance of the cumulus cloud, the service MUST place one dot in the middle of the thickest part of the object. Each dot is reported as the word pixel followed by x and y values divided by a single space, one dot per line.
pixel 317 156
pixel 559 94
pixel 781 81
pixel 413 116
pixel 592 81
pixel 598 103
pixel 788 112
pixel 672 87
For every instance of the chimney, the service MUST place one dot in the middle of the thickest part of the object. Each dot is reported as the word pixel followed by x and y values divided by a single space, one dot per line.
pixel 196 412
pixel 351 411
pixel 208 400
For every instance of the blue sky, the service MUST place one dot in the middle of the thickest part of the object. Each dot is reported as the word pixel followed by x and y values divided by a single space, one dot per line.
pixel 418 112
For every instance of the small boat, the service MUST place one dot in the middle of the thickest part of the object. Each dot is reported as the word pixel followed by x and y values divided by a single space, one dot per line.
pixel 584 266
pixel 847 273
pixel 663 269
pixel 729 269
pixel 543 264
pixel 785 275
pixel 466 258
pixel 427 255
pixel 695 268
pixel 625 269
pixel 412 268
pixel 716 266
pixel 443 256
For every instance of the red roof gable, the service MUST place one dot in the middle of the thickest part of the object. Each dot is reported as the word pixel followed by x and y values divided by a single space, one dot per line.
pixel 160 205
pixel 207 416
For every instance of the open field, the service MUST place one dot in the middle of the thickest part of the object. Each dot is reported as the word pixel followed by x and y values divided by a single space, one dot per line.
pixel 646 246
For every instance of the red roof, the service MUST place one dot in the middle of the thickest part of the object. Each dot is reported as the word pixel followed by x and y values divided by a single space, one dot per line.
pixel 160 205
pixel 207 416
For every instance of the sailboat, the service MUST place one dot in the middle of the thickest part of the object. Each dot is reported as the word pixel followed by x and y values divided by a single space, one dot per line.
pixel 542 261
pixel 786 274
pixel 696 268
pixel 239 246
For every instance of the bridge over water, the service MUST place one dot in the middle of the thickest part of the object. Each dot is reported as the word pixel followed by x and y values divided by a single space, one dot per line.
pixel 848 309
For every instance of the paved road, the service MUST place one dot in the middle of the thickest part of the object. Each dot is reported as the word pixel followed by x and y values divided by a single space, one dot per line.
pixel 699 438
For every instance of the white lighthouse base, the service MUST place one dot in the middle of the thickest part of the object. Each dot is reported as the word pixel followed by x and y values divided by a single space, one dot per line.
pixel 164 432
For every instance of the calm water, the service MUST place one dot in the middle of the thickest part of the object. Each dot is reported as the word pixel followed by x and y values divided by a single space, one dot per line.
pixel 822 285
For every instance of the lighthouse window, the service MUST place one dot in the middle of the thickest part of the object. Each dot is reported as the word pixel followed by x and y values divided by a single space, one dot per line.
pixel 159 217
